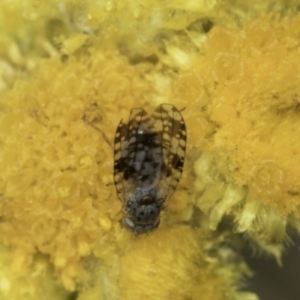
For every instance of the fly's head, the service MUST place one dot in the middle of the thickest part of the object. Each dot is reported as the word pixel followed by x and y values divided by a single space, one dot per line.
pixel 142 216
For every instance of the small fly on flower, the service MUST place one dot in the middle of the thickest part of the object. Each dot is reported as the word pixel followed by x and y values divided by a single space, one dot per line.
pixel 148 161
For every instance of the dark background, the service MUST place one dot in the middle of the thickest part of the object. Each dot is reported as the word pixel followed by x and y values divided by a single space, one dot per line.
pixel 272 282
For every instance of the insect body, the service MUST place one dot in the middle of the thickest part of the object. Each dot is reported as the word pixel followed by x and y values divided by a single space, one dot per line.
pixel 149 156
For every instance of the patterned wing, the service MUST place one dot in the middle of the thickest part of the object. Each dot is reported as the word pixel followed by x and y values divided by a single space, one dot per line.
pixel 169 122
pixel 125 149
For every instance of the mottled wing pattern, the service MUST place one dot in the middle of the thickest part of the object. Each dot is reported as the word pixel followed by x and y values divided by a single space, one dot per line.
pixel 169 122
pixel 125 148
